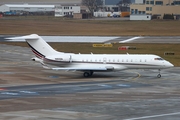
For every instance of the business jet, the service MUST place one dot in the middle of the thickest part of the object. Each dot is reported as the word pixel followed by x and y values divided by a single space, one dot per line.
pixel 90 63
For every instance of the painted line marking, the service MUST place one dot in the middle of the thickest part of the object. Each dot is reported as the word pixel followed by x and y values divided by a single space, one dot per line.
pixel 102 85
pixel 139 75
pixel 9 93
pixel 131 39
pixel 153 116
pixel 6 73
pixel 26 116
pixel 28 92
pixel 123 85
pixel 18 92
pixel 84 39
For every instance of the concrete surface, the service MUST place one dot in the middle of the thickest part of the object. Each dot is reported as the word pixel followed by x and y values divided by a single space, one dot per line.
pixel 104 39
pixel 29 92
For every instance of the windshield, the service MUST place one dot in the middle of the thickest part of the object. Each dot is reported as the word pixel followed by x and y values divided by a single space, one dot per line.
pixel 158 59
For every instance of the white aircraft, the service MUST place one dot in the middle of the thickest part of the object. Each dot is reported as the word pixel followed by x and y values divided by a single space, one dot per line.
pixel 89 63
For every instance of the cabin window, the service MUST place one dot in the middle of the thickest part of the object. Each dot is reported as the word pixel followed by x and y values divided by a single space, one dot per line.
pixel 131 60
pixel 122 60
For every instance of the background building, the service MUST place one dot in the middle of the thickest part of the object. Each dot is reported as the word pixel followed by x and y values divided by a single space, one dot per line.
pixel 25 9
pixel 66 10
pixel 111 2
pixel 111 5
pixel 156 8
pixel 41 2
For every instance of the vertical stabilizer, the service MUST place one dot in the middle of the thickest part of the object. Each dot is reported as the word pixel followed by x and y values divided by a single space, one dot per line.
pixel 39 47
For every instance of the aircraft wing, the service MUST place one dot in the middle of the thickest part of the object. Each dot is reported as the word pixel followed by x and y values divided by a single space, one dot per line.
pixel 80 69
pixel 105 67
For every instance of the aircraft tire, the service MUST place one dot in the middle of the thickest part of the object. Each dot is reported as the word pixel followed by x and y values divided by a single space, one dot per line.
pixel 159 75
pixel 86 74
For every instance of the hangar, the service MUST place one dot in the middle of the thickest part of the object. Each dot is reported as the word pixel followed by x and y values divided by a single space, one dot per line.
pixel 26 7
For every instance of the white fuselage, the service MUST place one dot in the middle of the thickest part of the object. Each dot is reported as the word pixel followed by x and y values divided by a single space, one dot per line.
pixel 117 61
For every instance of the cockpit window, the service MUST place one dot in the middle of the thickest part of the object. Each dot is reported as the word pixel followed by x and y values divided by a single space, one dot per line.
pixel 158 59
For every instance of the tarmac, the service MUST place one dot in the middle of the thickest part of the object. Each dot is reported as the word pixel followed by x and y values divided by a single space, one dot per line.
pixel 29 92
pixel 103 39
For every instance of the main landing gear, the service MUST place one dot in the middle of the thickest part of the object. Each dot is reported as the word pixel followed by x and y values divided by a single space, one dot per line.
pixel 159 75
pixel 88 73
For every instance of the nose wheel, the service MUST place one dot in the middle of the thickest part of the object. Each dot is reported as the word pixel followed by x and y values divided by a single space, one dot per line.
pixel 159 75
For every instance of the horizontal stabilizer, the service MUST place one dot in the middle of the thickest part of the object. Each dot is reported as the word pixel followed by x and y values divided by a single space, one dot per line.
pixel 27 37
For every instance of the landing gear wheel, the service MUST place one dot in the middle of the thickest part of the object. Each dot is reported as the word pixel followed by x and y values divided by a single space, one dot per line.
pixel 159 75
pixel 86 74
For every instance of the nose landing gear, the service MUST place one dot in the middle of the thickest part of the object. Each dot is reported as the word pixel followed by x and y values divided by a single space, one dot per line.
pixel 159 75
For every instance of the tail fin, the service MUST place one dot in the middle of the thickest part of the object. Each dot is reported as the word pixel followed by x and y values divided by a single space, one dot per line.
pixel 39 47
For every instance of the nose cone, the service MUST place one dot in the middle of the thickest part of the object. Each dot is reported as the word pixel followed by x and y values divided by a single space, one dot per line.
pixel 168 64
pixel 171 65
